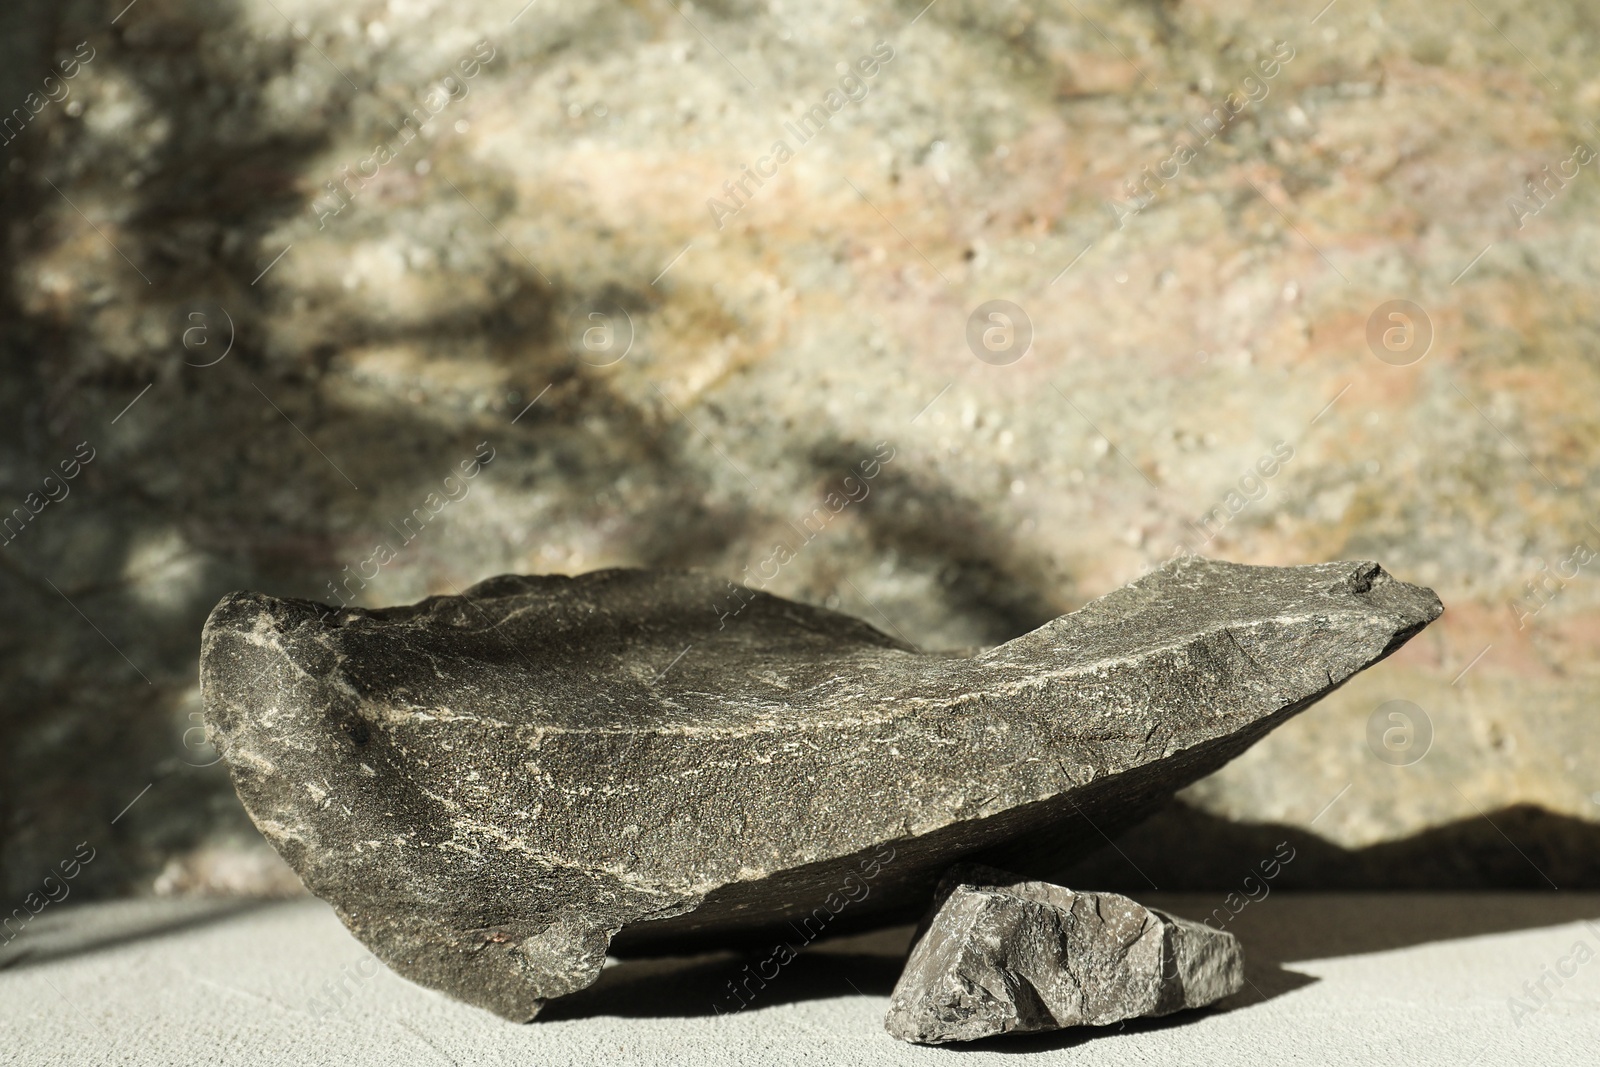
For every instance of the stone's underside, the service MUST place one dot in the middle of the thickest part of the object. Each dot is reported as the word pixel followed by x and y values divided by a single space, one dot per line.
pixel 496 789
pixel 998 954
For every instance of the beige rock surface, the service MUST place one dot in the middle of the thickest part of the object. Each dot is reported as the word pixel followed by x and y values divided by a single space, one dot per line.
pixel 192 170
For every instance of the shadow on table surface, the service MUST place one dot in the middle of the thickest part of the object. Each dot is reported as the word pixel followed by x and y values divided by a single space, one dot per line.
pixel 1276 932
pixel 69 931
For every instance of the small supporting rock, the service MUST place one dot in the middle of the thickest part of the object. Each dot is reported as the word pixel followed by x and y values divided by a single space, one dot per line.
pixel 998 954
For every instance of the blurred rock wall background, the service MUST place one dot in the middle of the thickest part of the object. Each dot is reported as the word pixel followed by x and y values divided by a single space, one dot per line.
pixel 276 267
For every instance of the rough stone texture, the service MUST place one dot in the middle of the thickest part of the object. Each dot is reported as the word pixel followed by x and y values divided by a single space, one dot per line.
pixel 1000 954
pixel 778 349
pixel 493 787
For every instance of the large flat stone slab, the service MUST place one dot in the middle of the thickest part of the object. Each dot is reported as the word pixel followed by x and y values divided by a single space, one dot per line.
pixel 496 789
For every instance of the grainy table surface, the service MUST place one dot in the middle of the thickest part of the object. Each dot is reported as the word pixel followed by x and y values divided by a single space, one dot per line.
pixel 1408 979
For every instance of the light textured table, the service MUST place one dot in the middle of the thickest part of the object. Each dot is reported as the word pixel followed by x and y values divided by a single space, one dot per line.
pixel 1408 979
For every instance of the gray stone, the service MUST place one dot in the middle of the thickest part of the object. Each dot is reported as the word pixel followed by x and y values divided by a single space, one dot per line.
pixel 999 954
pixel 496 788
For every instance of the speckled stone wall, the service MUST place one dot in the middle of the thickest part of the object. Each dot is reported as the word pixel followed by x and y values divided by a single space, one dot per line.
pixel 1103 282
